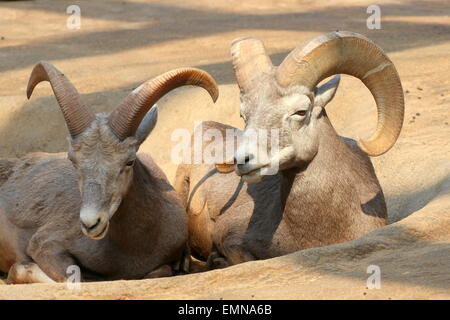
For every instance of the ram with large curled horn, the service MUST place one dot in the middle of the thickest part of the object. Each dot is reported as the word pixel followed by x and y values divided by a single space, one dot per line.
pixel 133 223
pixel 324 189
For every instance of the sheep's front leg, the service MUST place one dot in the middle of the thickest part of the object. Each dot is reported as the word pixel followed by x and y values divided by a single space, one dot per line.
pixel 27 272
pixel 181 266
pixel 51 257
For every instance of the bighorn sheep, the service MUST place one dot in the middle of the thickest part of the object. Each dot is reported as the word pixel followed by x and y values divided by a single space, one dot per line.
pixel 326 190
pixel 134 224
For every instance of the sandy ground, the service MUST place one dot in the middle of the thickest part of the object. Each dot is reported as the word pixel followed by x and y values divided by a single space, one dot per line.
pixel 123 43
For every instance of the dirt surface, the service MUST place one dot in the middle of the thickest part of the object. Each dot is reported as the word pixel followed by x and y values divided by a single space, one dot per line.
pixel 412 256
pixel 123 43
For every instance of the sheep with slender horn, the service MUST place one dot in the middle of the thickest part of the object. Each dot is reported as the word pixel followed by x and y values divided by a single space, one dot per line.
pixel 133 223
pixel 325 190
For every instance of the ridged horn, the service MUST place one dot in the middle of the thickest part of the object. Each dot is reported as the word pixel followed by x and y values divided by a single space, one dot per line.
pixel 250 61
pixel 125 119
pixel 77 115
pixel 353 54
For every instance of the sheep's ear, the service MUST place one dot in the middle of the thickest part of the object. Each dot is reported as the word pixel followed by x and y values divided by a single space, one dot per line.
pixel 147 124
pixel 325 93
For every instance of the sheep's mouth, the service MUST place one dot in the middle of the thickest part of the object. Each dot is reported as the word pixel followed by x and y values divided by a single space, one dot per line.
pixel 253 175
pixel 99 233
pixel 102 233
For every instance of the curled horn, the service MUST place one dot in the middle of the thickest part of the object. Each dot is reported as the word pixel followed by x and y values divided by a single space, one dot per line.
pixel 125 119
pixel 353 54
pixel 250 61
pixel 77 115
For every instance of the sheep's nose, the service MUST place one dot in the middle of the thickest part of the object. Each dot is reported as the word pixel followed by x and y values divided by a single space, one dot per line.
pixel 91 224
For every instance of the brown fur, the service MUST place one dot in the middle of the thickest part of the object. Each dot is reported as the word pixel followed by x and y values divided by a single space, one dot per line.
pixel 40 203
pixel 325 193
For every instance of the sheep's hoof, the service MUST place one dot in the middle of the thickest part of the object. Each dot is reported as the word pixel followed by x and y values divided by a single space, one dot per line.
pixel 30 272
pixel 182 266
pixel 161 272
pixel 216 261
pixel 196 266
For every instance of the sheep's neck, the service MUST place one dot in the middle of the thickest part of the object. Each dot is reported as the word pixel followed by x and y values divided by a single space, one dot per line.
pixel 304 188
pixel 135 223
pixel 317 197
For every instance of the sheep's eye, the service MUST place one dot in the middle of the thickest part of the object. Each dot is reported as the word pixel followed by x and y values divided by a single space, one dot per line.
pixel 72 160
pixel 130 163
pixel 301 113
